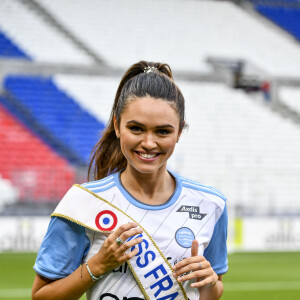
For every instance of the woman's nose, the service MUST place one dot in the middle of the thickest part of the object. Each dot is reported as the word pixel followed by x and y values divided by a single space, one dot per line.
pixel 148 141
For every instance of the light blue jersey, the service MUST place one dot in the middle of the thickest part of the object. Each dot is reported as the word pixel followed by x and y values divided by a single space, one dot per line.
pixel 193 212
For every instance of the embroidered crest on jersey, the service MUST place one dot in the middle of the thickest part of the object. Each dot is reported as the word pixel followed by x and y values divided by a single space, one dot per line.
pixel 194 212
pixel 184 236
pixel 106 220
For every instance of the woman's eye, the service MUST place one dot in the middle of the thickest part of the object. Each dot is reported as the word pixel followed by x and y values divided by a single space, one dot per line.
pixel 163 131
pixel 135 128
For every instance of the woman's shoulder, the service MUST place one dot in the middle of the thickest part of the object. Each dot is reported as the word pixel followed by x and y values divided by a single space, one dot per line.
pixel 195 185
pixel 101 184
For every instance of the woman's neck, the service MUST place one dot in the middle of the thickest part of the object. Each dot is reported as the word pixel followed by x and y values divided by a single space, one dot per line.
pixel 153 189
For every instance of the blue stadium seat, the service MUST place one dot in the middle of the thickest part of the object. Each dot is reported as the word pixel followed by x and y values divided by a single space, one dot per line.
pixel 9 49
pixel 285 14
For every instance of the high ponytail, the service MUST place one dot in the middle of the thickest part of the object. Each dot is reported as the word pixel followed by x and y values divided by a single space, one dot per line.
pixel 140 80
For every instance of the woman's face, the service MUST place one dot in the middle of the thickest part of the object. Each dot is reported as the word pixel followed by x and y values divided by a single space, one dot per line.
pixel 148 131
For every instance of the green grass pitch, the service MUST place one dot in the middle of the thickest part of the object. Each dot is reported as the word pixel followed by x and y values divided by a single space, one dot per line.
pixel 265 276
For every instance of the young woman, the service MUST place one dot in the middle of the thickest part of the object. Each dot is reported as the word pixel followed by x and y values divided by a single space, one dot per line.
pixel 138 231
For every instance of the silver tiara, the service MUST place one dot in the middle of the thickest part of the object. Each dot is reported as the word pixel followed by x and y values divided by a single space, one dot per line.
pixel 149 69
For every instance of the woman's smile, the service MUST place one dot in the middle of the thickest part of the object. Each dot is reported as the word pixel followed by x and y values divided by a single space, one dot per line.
pixel 147 156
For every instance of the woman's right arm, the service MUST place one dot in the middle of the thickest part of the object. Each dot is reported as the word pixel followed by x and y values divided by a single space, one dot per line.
pixel 109 257
pixel 69 288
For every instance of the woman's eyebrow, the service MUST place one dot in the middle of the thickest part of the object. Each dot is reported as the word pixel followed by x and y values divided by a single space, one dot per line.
pixel 140 124
pixel 134 122
pixel 165 126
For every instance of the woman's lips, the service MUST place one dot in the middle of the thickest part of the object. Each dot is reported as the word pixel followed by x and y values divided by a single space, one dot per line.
pixel 147 156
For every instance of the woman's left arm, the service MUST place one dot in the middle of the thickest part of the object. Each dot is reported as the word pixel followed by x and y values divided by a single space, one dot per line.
pixel 197 268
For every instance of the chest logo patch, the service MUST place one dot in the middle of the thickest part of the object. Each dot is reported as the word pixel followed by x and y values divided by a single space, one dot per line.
pixel 194 212
pixel 184 237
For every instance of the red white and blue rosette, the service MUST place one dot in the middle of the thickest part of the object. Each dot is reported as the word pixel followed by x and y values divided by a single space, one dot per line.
pixel 106 220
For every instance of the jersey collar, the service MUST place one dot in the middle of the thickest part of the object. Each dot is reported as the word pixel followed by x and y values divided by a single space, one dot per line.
pixel 142 205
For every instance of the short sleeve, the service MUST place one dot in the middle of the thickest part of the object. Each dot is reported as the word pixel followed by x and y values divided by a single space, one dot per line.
pixel 63 249
pixel 216 251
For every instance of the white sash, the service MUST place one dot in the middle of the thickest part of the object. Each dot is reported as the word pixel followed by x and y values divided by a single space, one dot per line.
pixel 149 266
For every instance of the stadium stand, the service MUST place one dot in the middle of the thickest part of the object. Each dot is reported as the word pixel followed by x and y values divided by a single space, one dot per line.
pixel 9 49
pixel 291 97
pixel 37 38
pixel 238 145
pixel 94 93
pixel 242 147
pixel 53 115
pixel 163 34
pixel 38 172
pixel 285 14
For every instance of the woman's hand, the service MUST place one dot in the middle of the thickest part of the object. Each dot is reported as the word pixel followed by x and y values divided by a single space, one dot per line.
pixel 111 255
pixel 197 268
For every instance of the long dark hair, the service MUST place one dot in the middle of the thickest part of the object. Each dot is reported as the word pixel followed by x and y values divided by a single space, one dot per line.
pixel 141 79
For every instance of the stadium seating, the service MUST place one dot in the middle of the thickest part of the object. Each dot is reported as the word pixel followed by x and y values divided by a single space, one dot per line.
pixel 39 173
pixel 9 49
pixel 246 150
pixel 54 116
pixel 284 13
pixel 36 37
pixel 291 97
pixel 234 142
pixel 185 42
pixel 93 93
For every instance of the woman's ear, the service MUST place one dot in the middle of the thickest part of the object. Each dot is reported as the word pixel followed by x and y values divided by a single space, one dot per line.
pixel 116 127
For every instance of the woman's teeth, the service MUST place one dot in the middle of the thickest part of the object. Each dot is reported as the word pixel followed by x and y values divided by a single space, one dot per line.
pixel 145 155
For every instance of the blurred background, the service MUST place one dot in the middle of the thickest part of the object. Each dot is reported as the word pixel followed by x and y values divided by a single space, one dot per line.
pixel 238 66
